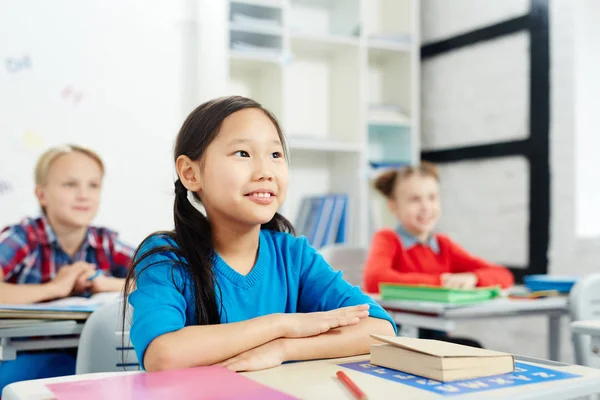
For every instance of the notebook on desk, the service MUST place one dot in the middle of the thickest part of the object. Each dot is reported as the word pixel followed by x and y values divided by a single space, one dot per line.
pixel 395 291
pixel 70 308
pixel 192 383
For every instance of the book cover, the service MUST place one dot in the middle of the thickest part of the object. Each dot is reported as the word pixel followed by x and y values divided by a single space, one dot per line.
pixel 342 228
pixel 315 210
pixel 193 383
pixel 336 219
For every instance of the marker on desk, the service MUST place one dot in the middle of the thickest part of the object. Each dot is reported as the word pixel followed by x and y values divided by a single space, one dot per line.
pixel 351 386
pixel 96 274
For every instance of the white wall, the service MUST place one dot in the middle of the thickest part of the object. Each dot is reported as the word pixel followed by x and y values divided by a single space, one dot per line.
pixel 133 64
pixel 587 121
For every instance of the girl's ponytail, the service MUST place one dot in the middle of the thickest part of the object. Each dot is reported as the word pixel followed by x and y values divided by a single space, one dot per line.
pixel 193 235
pixel 386 182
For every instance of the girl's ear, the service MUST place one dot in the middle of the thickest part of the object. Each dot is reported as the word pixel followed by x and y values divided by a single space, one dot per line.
pixel 189 173
pixel 392 206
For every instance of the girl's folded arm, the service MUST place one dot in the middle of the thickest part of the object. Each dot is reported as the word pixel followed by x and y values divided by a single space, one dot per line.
pixel 159 333
pixel 341 342
pixel 197 345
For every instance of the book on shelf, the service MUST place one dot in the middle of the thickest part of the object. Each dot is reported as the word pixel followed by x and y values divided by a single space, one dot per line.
pixel 378 166
pixel 438 360
pixel 67 308
pixel 255 24
pixel 322 219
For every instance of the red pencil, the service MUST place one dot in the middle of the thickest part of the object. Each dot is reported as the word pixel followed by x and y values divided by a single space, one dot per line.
pixel 355 390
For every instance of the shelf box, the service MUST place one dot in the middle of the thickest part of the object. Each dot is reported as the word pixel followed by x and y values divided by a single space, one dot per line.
pixel 389 79
pixel 329 107
pixel 322 44
pixel 390 17
pixel 390 144
pixel 338 17
pixel 259 80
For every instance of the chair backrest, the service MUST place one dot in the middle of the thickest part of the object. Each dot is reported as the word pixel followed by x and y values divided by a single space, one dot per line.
pixel 584 304
pixel 348 259
pixel 104 345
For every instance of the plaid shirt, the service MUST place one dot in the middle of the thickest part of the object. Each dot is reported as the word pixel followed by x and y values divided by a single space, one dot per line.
pixel 30 253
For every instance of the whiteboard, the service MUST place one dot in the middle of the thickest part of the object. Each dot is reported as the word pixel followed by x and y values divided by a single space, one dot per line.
pixel 117 76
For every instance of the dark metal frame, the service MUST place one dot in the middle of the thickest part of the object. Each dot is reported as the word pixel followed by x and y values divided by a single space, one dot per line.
pixel 536 148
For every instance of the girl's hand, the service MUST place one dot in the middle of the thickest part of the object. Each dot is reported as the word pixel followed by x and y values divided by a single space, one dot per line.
pixel 301 325
pixel 268 355
pixel 465 280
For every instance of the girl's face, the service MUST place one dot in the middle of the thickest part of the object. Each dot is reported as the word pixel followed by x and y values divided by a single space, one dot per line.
pixel 71 194
pixel 416 203
pixel 243 174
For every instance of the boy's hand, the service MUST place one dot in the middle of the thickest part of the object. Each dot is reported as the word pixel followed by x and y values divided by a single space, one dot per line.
pixel 311 324
pixel 65 280
pixel 268 355
pixel 82 284
pixel 465 280
pixel 105 283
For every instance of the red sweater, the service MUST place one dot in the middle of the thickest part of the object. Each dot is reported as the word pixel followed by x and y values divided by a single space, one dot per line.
pixel 390 262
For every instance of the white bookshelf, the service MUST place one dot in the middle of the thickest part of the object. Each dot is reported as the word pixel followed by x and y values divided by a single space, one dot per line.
pixel 342 76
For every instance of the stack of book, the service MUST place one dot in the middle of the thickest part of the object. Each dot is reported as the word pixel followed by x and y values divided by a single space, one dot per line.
pixel 322 219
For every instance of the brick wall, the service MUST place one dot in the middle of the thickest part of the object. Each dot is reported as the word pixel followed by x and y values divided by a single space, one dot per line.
pixel 480 95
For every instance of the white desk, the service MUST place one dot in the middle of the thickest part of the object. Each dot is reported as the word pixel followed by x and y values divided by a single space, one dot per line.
pixel 429 315
pixel 591 328
pixel 316 380
pixel 48 334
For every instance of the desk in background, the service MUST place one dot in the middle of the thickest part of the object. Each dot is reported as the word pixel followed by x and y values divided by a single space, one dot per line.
pixel 591 328
pixel 316 380
pixel 62 322
pixel 429 315
pixel 42 335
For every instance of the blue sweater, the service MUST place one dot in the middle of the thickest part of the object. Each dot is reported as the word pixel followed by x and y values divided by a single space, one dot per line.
pixel 289 276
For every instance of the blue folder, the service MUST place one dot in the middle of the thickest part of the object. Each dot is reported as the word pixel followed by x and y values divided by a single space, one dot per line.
pixel 563 284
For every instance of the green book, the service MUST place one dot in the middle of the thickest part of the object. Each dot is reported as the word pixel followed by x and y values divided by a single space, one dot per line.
pixel 436 294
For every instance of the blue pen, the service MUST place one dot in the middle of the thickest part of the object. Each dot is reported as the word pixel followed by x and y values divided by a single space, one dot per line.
pixel 96 274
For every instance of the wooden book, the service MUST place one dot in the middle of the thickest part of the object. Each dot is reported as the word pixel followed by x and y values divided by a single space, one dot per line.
pixel 437 360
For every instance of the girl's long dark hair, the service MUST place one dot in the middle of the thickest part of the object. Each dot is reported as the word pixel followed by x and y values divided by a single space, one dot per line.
pixel 193 235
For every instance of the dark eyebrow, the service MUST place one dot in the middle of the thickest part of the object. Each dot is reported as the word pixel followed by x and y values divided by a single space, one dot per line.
pixel 241 140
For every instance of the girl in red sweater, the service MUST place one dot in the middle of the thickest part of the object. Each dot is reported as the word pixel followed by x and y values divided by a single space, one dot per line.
pixel 413 253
